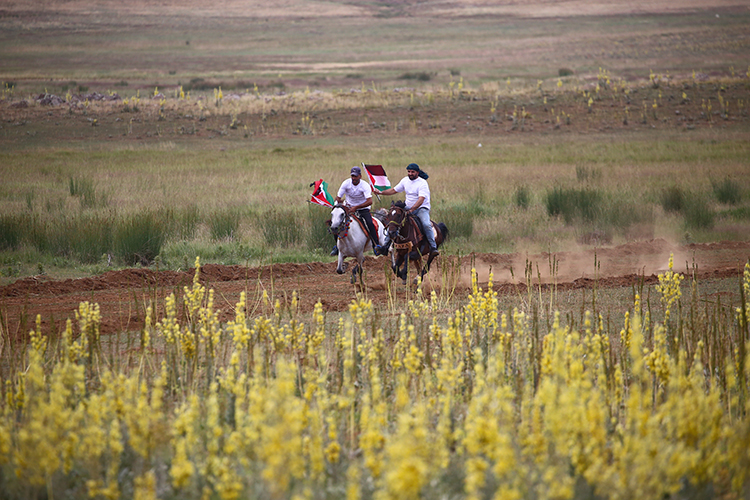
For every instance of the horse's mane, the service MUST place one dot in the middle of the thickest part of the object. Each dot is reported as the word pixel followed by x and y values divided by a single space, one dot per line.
pixel 400 204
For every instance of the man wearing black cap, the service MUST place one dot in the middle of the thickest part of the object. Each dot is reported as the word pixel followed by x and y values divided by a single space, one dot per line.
pixel 358 196
pixel 417 192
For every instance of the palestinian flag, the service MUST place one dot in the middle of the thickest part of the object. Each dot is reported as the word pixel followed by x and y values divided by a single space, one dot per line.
pixel 320 194
pixel 377 176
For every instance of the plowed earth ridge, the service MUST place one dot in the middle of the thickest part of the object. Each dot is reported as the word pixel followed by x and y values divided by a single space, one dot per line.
pixel 123 295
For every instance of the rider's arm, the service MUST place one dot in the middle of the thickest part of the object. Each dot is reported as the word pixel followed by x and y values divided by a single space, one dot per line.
pixel 366 204
pixel 418 204
pixel 388 191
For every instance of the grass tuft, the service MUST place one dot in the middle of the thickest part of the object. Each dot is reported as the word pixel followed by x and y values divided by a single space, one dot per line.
pixel 727 191
pixel 12 231
pixel 138 239
pixel 672 199
pixel 85 189
pixel 698 213
pixel 319 237
pixel 223 224
pixel 281 228
pixel 574 204
pixel 522 197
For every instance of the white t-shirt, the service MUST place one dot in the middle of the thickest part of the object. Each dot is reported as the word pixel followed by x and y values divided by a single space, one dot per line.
pixel 413 190
pixel 355 195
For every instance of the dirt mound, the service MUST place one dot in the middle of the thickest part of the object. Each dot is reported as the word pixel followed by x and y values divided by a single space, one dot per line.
pixel 124 295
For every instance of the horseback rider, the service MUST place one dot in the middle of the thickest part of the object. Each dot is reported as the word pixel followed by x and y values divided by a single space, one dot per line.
pixel 417 192
pixel 358 196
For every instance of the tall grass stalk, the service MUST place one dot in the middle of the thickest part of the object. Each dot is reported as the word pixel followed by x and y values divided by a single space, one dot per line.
pixel 319 238
pixel 282 228
pixel 224 223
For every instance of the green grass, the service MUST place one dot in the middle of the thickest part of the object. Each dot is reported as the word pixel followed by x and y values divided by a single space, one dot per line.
pixel 169 194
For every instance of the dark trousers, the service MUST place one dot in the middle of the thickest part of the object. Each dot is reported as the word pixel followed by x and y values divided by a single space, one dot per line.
pixel 366 216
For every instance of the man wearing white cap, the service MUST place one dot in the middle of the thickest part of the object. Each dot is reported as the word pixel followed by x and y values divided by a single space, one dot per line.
pixel 358 197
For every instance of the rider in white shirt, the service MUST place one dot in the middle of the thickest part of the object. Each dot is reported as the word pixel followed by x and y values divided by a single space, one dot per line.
pixel 417 193
pixel 358 197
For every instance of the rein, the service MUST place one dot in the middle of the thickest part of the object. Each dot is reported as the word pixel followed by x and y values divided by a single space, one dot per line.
pixel 400 241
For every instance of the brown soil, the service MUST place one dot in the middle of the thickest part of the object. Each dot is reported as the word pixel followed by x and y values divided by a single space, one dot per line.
pixel 123 295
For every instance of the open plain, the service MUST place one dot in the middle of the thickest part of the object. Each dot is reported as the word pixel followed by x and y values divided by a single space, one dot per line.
pixel 88 78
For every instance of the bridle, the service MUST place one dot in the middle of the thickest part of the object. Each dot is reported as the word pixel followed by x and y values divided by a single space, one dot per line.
pixel 345 226
pixel 396 235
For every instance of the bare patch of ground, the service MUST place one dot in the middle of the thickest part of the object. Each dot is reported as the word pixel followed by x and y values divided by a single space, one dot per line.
pixel 124 295
pixel 366 8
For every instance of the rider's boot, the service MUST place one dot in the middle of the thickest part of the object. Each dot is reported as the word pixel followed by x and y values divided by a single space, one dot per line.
pixel 385 246
pixel 376 248
pixel 434 252
pixel 335 250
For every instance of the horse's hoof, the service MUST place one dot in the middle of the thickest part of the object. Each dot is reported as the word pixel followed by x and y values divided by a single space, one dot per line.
pixel 340 271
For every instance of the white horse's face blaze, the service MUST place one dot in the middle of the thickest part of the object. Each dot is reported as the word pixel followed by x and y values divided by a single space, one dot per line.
pixel 337 217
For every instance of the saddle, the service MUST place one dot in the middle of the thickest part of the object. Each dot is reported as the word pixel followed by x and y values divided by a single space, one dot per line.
pixel 363 225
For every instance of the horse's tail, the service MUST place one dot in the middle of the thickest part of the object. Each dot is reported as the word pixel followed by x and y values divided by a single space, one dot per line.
pixel 443 229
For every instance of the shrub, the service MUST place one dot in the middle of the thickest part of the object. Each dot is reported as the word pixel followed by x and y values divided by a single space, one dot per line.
pixel 565 72
pixel 421 76
pixel 727 191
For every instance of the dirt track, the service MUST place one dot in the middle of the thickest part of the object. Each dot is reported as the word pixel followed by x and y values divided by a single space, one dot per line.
pixel 123 295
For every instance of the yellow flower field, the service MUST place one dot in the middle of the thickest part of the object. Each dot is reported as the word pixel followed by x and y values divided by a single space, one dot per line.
pixel 479 405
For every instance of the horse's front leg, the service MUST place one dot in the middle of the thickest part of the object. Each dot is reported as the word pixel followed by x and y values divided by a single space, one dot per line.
pixel 421 270
pixel 340 268
pixel 396 261
pixel 429 262
pixel 404 273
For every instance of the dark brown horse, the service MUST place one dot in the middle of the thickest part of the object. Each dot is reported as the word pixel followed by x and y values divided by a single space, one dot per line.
pixel 409 242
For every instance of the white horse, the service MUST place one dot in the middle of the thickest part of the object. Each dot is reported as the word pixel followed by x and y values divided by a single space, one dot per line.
pixel 352 241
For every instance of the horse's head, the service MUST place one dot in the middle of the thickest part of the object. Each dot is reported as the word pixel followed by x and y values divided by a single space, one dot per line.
pixel 338 219
pixel 395 220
